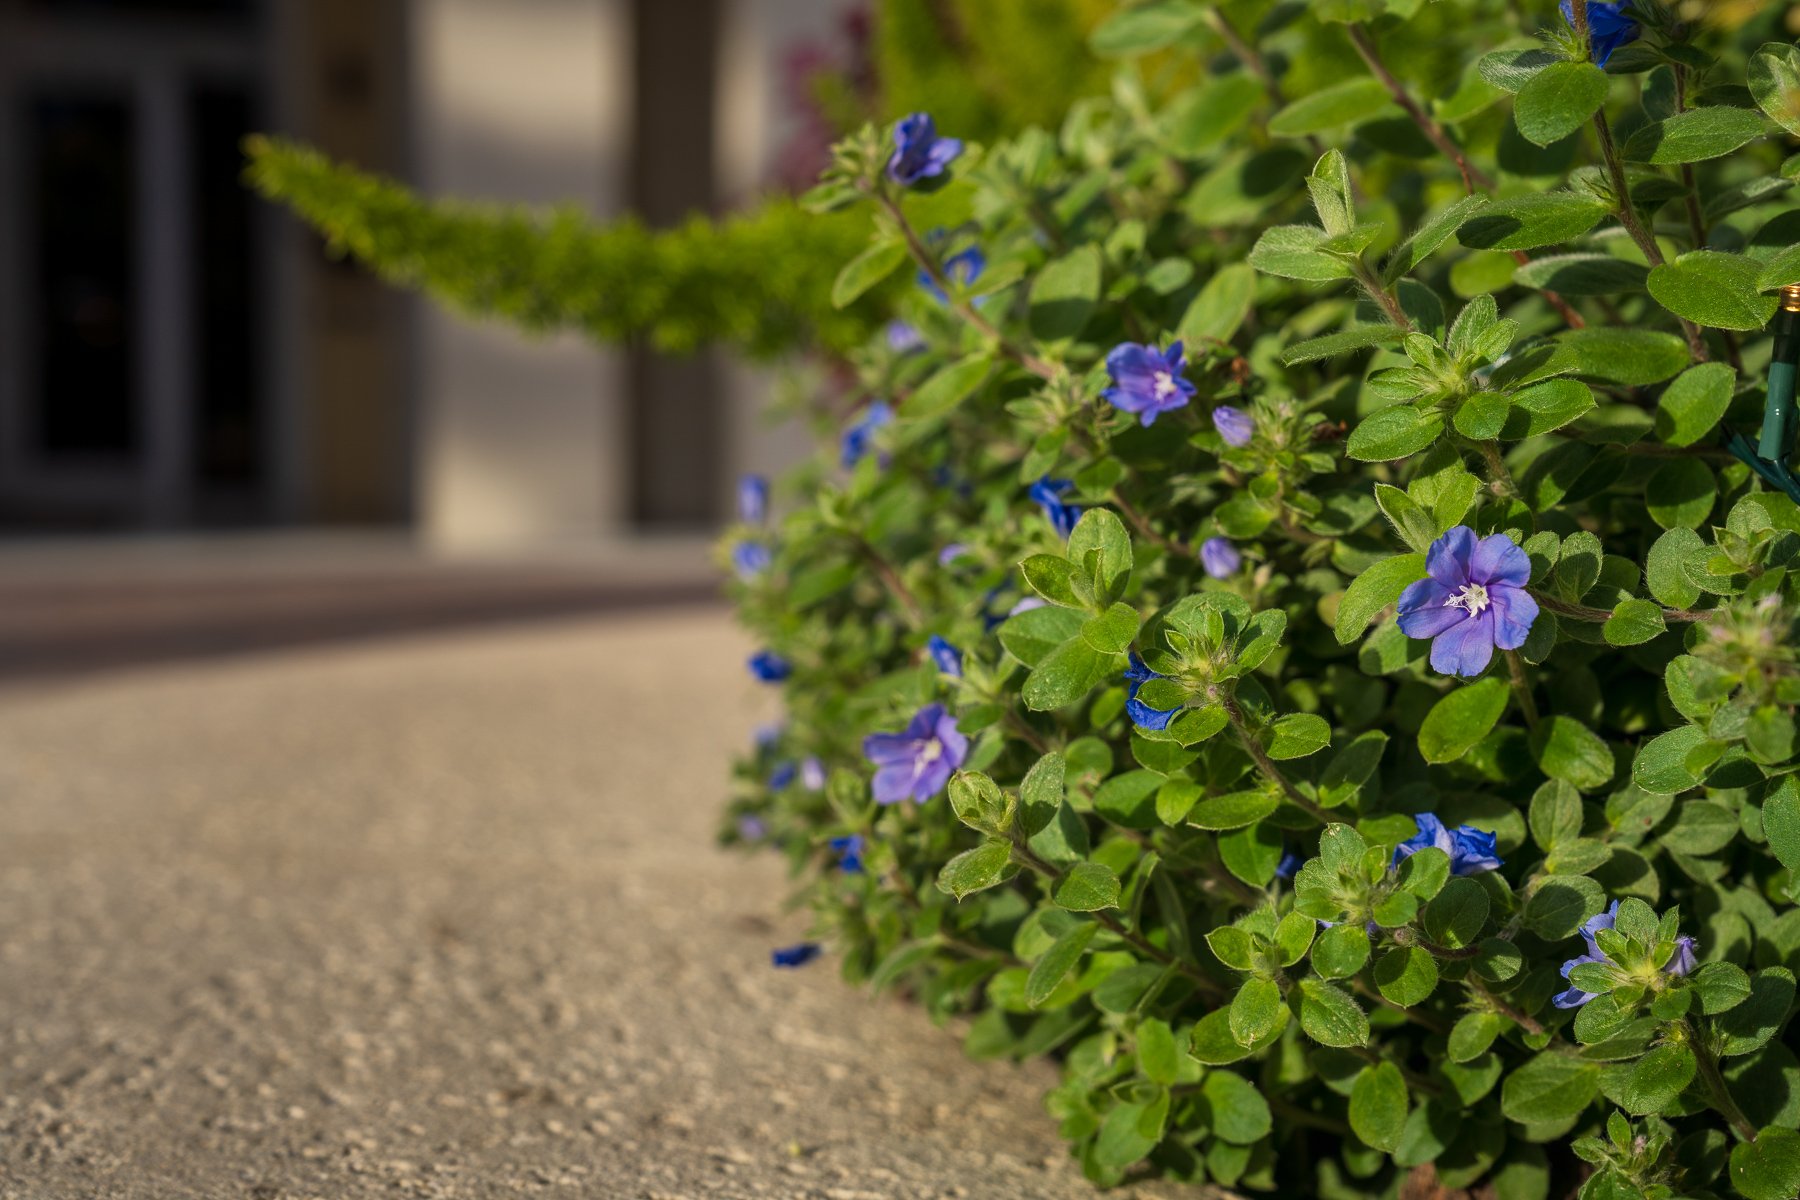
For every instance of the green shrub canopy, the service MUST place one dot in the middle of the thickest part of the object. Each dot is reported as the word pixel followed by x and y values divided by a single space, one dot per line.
pixel 1294 619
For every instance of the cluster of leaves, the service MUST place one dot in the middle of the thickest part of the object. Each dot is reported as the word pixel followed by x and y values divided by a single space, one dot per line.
pixel 1495 288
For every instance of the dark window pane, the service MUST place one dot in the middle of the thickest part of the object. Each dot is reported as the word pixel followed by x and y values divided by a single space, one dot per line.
pixel 227 409
pixel 144 8
pixel 81 295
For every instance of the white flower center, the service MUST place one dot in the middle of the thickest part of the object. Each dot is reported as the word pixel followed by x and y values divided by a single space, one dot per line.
pixel 933 751
pixel 1164 383
pixel 1473 597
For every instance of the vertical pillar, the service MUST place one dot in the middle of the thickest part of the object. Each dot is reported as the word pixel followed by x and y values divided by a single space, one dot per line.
pixel 165 291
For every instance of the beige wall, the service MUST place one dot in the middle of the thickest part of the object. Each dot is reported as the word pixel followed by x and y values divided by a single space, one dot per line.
pixel 521 100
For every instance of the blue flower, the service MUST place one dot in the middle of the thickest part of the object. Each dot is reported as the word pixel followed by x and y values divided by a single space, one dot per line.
pixel 750 559
pixel 1048 493
pixel 948 658
pixel 767 735
pixel 860 437
pixel 751 828
pixel 796 956
pixel 783 774
pixel 917 762
pixel 1235 425
pixel 903 338
pixel 1141 714
pixel 1680 963
pixel 964 269
pixel 1608 27
pixel 1472 599
pixel 1289 864
pixel 951 553
pixel 1219 558
pixel 1471 850
pixel 770 667
pixel 753 499
pixel 1147 381
pixel 919 153
pixel 849 851
pixel 812 774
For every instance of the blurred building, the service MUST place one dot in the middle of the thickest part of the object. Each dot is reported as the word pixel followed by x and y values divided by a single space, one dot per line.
pixel 176 355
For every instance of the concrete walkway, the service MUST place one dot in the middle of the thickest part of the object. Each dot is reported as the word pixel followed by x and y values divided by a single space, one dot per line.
pixel 442 917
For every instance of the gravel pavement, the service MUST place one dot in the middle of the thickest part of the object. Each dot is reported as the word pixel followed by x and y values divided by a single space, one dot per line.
pixel 442 917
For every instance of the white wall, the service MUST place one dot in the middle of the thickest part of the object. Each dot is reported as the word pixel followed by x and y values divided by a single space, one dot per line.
pixel 519 100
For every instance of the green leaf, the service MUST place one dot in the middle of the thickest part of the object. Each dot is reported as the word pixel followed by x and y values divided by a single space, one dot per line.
pixel 1234 810
pixel 1665 571
pixel 1065 675
pixel 1437 230
pixel 1781 824
pixel 1568 750
pixel 1633 622
pixel 1393 433
pixel 1769 1167
pixel 1545 407
pixel 1100 530
pixel 1147 27
pixel 1239 1113
pixel 1550 1087
pixel 1297 252
pixel 1555 815
pixel 1035 633
pixel 1774 78
pixel 1721 986
pixel 1296 735
pixel 1378 1103
pixel 1482 416
pixel 1088 887
pixel 1714 289
pixel 1693 404
pixel 1158 1055
pixel 1461 719
pixel 1656 1079
pixel 1748 1026
pixel 948 388
pixel 1041 792
pixel 1681 493
pixel 1406 975
pixel 1065 294
pixel 1221 306
pixel 1048 972
pixel 1472 1034
pixel 1694 136
pixel 1455 916
pixel 1561 903
pixel 866 270
pixel 1113 630
pixel 1558 100
pixel 1350 102
pixel 1632 357
pixel 1349 341
pixel 1051 576
pixel 1511 70
pixel 1529 221
pixel 986 866
pixel 1583 275
pixel 1255 1010
pixel 1329 1016
pixel 1660 767
pixel 1341 951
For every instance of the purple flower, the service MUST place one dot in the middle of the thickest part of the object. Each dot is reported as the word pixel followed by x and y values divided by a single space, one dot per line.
pixel 770 667
pixel 1683 960
pixel 812 774
pixel 753 499
pixel 1235 425
pixel 1141 714
pixel 963 269
pixel 1220 558
pixel 919 153
pixel 767 735
pixel 1048 493
pixel 795 956
pixel 951 553
pixel 783 774
pixel 849 851
pixel 1289 864
pixel 1470 850
pixel 1026 605
pixel 1679 964
pixel 1147 381
pixel 948 658
pixel 751 828
pixel 916 764
pixel 1608 27
pixel 860 436
pixel 903 338
pixel 750 559
pixel 1472 600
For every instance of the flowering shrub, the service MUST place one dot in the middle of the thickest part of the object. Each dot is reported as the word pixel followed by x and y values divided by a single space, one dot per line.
pixel 1290 621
